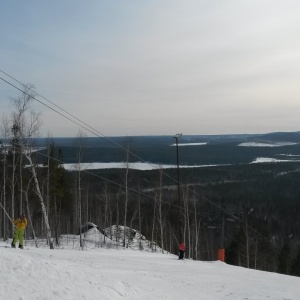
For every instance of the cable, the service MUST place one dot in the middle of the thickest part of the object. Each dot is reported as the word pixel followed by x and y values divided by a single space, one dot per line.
pixel 97 133
pixel 89 128
pixel 243 246
pixel 118 184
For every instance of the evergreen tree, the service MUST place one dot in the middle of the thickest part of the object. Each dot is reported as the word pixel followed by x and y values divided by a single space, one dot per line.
pixel 263 250
pixel 295 269
pixel 236 252
pixel 284 259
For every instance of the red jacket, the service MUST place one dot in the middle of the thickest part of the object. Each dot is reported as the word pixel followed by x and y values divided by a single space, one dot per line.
pixel 182 246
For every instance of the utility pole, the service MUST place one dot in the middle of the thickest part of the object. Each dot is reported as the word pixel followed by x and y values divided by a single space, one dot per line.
pixel 178 135
pixel 223 224
pixel 221 252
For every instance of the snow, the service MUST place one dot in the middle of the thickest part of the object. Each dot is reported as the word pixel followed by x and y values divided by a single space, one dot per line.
pixel 143 166
pixel 189 144
pixel 112 272
pixel 256 144
pixel 271 160
pixel 118 165
pixel 5 148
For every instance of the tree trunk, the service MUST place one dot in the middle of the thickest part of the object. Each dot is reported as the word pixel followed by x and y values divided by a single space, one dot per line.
pixel 39 194
pixel 126 196
pixel 29 217
pixel 160 217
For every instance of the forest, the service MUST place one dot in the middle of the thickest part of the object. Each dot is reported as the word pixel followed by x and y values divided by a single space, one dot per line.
pixel 250 210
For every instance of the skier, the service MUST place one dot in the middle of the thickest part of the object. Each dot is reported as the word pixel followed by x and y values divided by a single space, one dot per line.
pixel 20 225
pixel 181 250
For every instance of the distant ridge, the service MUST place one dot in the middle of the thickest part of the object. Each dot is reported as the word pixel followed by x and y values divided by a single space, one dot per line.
pixel 207 149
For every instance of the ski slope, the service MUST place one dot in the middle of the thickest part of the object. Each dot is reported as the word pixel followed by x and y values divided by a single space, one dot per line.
pixel 117 273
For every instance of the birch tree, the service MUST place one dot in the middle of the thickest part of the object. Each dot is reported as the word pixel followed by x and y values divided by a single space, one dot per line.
pixel 160 215
pixel 197 228
pixel 26 192
pixel 28 122
pixel 20 122
pixel 153 223
pixel 78 168
pixel 187 228
pixel 4 149
pixel 126 195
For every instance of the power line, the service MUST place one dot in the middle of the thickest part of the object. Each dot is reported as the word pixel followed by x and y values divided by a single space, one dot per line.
pixel 116 183
pixel 143 194
pixel 95 132
pixel 85 126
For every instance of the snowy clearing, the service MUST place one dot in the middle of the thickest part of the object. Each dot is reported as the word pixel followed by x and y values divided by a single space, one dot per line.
pixel 189 144
pixel 271 160
pixel 143 166
pixel 41 273
pixel 256 144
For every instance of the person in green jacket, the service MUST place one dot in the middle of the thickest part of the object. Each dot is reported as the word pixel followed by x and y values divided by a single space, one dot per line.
pixel 20 225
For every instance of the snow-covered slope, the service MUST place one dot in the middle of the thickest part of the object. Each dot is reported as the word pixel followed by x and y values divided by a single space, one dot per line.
pixel 117 273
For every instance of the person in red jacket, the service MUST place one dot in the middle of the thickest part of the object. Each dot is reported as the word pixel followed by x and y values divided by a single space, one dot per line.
pixel 181 250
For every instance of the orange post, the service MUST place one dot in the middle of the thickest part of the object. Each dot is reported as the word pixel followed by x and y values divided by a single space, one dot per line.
pixel 221 255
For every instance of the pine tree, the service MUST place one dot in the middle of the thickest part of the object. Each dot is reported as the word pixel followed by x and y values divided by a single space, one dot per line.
pixel 236 252
pixel 284 259
pixel 295 269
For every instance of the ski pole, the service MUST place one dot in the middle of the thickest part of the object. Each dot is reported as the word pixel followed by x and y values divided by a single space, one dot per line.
pixel 175 237
pixel 7 214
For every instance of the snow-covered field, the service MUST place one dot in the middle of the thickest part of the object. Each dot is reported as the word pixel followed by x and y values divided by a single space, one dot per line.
pixel 257 144
pixel 189 144
pixel 136 166
pixel 271 160
pixel 117 273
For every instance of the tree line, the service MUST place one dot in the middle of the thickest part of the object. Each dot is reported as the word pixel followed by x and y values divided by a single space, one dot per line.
pixel 258 225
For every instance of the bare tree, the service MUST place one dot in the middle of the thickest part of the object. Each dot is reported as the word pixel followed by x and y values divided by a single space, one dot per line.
pixel 140 220
pixel 20 122
pixel 26 192
pixel 187 228
pixel 78 168
pixel 196 227
pixel 40 196
pixel 31 132
pixel 106 207
pixel 5 136
pixel 126 194
pixel 153 223
pixel 118 216
pixel 27 123
pixel 160 215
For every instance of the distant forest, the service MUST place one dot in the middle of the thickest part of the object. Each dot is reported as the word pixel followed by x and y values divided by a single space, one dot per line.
pixel 252 210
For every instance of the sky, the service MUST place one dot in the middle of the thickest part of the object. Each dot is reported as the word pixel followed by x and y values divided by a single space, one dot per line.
pixel 155 67
pixel 129 274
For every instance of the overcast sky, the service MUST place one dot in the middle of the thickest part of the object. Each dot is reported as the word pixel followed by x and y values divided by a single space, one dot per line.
pixel 156 67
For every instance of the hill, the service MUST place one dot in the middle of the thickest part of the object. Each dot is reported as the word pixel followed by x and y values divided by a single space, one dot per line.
pixel 199 149
pixel 101 273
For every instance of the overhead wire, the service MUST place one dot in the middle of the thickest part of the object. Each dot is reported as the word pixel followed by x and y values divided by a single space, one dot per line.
pixel 99 134
pixel 140 193
pixel 111 181
pixel 87 127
